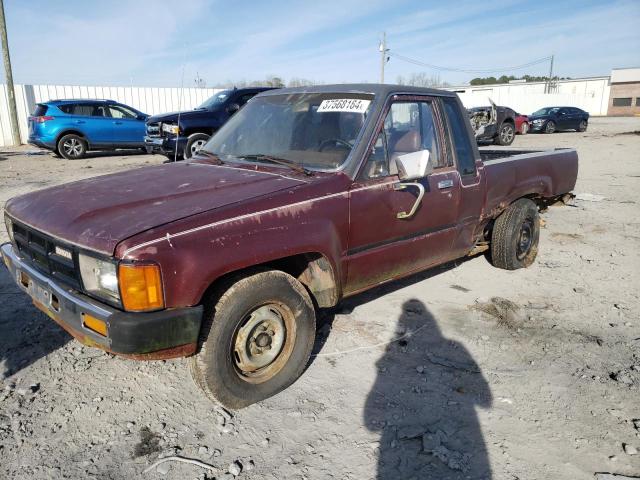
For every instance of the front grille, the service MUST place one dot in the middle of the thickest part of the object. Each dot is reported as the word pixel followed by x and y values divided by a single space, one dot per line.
pixel 47 255
pixel 153 129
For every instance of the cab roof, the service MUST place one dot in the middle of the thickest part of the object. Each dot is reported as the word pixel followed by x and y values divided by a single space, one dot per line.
pixel 377 89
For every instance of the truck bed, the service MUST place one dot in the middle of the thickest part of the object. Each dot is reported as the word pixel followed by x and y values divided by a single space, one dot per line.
pixel 511 174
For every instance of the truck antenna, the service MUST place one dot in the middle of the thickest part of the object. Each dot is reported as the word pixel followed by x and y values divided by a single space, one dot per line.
pixel 175 154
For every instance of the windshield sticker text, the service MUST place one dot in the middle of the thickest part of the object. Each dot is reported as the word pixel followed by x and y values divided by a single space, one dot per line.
pixel 354 105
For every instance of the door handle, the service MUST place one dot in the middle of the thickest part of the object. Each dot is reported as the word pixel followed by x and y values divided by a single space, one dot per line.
pixel 445 184
pixel 403 186
pixel 118 123
pixel 79 121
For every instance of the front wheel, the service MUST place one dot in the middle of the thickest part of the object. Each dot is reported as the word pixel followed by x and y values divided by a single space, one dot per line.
pixel 550 127
pixel 195 143
pixel 72 147
pixel 524 128
pixel 256 339
pixel 515 236
pixel 506 134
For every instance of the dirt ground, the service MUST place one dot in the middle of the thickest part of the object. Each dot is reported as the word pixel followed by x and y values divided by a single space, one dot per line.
pixel 462 372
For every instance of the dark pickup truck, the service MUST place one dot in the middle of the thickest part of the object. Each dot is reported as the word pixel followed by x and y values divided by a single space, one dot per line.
pixel 179 135
pixel 306 196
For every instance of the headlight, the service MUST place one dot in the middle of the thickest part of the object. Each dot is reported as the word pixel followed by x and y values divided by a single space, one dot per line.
pixel 9 225
pixel 99 277
pixel 538 121
pixel 167 127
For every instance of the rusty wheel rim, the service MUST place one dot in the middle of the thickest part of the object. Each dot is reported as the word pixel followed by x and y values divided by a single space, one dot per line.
pixel 263 342
pixel 525 239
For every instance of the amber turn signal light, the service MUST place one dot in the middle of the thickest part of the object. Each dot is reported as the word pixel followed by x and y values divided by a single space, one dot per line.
pixel 140 287
pixel 94 324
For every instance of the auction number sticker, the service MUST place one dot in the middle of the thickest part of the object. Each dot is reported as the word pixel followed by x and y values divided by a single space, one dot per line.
pixel 354 105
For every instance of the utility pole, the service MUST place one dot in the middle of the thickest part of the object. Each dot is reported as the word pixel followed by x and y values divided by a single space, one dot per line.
pixel 550 76
pixel 383 55
pixel 11 94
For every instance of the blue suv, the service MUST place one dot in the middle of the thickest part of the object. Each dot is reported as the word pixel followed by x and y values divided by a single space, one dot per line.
pixel 70 128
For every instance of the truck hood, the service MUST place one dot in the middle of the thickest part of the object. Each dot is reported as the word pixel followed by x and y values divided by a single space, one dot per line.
pixel 100 212
pixel 184 115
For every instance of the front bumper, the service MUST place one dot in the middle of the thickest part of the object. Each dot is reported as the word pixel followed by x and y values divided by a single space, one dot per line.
pixel 144 336
pixel 537 127
pixel 165 145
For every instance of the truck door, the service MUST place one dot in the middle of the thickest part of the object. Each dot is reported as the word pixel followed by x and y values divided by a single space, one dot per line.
pixel 384 243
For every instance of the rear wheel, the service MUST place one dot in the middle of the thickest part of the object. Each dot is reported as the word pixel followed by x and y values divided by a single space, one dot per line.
pixel 195 143
pixel 515 236
pixel 72 146
pixel 256 339
pixel 583 126
pixel 506 134
pixel 550 127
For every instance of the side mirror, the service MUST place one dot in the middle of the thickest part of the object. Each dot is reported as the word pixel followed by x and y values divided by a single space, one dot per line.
pixel 142 116
pixel 233 108
pixel 414 165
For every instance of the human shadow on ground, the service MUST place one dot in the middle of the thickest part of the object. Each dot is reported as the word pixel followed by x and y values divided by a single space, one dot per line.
pixel 326 316
pixel 26 334
pixel 423 404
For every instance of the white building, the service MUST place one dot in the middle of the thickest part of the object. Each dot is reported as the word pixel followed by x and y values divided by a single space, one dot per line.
pixel 590 94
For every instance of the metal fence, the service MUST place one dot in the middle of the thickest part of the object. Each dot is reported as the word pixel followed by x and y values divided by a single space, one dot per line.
pixel 151 100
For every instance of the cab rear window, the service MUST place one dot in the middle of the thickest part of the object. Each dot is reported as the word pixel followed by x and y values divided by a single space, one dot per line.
pixel 460 138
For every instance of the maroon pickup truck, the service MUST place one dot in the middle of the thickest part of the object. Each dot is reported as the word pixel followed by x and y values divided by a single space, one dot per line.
pixel 306 196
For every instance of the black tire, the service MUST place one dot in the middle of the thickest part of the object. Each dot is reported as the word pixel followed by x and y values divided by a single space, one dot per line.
pixel 232 327
pixel 195 143
pixel 582 127
pixel 172 157
pixel 505 135
pixel 515 236
pixel 72 146
pixel 550 127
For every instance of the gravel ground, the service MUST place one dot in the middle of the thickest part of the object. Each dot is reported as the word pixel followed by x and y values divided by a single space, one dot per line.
pixel 462 372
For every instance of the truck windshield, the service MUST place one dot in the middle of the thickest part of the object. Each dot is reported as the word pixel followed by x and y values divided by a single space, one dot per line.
pixel 314 130
pixel 216 100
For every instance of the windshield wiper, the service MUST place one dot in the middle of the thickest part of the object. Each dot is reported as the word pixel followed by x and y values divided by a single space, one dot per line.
pixel 208 154
pixel 280 161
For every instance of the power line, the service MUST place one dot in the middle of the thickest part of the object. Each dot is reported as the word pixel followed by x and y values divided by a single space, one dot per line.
pixel 464 70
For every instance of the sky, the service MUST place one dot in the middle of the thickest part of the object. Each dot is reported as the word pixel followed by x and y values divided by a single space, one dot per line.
pixel 169 43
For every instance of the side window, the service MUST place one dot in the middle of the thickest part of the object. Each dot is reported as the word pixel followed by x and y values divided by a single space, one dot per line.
pixel 459 137
pixel 408 127
pixel 118 111
pixel 100 111
pixel 81 109
pixel 245 98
